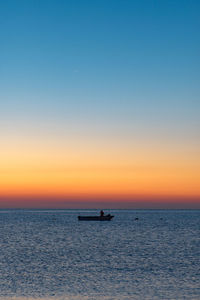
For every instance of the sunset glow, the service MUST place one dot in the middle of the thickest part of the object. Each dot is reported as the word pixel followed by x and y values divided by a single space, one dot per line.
pixel 62 170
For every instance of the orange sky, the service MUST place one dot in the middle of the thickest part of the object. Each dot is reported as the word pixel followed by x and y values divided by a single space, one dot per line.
pixel 97 169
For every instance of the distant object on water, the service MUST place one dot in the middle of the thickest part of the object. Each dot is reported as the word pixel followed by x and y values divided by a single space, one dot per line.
pixel 136 219
pixel 102 217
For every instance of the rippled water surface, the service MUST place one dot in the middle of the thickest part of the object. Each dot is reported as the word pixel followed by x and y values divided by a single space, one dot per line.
pixel 51 255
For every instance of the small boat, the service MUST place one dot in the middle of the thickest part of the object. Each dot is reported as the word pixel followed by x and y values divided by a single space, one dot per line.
pixel 95 218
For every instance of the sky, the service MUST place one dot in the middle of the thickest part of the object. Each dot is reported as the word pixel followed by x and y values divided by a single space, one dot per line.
pixel 100 104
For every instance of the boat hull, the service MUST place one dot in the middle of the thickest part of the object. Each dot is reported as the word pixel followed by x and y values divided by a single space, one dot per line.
pixel 95 218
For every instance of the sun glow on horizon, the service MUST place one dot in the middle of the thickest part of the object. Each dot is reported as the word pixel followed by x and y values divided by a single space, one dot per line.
pixel 113 170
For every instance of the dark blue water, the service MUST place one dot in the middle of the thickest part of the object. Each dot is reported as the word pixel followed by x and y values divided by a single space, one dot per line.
pixel 52 255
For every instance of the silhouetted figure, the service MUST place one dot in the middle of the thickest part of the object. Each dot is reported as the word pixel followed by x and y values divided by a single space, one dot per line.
pixel 101 213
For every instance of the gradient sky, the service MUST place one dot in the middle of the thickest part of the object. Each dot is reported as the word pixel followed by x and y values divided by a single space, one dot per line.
pixel 100 103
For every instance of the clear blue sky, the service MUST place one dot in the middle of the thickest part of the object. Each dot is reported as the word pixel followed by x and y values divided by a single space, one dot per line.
pixel 101 59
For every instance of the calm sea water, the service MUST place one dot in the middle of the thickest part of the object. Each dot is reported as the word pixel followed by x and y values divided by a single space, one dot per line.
pixel 49 254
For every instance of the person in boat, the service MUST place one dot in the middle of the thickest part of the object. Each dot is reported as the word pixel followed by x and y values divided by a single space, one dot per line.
pixel 101 213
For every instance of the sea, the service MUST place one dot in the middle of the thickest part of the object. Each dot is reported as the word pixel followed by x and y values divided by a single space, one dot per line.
pixel 140 254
